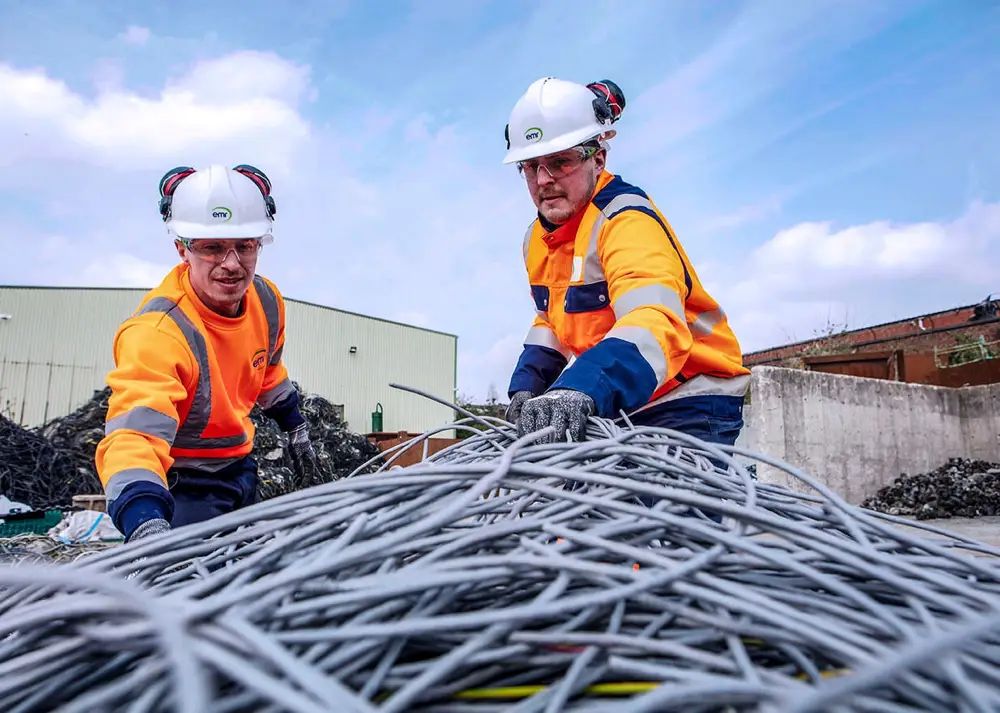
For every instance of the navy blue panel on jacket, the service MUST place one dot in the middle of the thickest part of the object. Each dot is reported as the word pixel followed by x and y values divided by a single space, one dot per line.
pixel 614 374
pixel 537 368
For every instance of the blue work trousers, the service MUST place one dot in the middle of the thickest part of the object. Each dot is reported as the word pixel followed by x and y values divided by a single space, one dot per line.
pixel 200 496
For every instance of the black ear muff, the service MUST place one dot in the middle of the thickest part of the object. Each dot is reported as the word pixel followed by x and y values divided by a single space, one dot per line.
pixel 609 100
pixel 262 182
pixel 506 135
pixel 168 184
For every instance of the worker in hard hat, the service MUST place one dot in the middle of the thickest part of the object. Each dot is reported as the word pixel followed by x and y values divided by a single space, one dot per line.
pixel 201 349
pixel 613 288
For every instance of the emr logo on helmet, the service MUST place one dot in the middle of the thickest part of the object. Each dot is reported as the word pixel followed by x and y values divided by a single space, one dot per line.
pixel 533 134
pixel 221 213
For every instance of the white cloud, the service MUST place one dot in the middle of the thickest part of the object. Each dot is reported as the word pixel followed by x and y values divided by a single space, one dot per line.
pixel 137 36
pixel 123 270
pixel 481 369
pixel 388 209
pixel 218 107
pixel 429 236
pixel 812 274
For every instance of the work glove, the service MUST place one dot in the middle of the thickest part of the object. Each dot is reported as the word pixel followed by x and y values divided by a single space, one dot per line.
pixel 156 526
pixel 303 454
pixel 514 408
pixel 565 410
pixel 298 441
pixel 150 528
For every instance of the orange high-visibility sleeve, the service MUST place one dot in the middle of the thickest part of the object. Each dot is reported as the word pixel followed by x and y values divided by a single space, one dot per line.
pixel 645 277
pixel 149 385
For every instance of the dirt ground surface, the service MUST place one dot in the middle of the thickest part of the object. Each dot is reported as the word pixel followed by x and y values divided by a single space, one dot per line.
pixel 983 529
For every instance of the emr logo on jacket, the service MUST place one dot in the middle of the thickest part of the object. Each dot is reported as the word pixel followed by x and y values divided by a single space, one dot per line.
pixel 259 358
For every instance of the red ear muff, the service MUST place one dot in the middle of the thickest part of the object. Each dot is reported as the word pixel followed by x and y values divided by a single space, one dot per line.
pixel 610 100
pixel 168 184
pixel 263 183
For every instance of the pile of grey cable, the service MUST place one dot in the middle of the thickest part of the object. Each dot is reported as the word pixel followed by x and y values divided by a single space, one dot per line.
pixel 505 576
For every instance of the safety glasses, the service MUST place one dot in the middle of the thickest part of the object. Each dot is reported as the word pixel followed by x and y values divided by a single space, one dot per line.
pixel 217 251
pixel 559 165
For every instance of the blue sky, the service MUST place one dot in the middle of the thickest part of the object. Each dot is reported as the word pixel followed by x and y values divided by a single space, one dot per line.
pixel 837 162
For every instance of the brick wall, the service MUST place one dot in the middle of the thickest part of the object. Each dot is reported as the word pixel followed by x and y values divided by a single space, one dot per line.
pixel 919 334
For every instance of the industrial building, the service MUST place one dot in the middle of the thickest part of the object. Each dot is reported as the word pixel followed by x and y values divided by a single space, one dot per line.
pixel 56 350
pixel 955 347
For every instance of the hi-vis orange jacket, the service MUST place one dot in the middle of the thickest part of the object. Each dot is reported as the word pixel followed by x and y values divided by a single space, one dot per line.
pixel 614 289
pixel 185 381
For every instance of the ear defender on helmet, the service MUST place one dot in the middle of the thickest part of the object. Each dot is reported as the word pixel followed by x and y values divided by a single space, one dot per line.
pixel 263 183
pixel 506 135
pixel 609 100
pixel 168 184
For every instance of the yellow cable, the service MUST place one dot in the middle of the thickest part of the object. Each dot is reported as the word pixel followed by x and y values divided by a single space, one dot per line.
pixel 624 688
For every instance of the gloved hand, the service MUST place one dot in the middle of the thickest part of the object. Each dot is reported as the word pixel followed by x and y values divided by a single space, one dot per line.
pixel 565 410
pixel 516 402
pixel 303 454
pixel 299 443
pixel 156 526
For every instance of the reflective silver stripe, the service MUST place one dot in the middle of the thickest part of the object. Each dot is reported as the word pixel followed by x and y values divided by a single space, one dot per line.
pixel 648 295
pixel 269 301
pixel 276 357
pixel 189 433
pixel 123 478
pixel 592 270
pixel 277 393
pixel 626 200
pixel 527 240
pixel 145 420
pixel 545 337
pixel 704 385
pixel 209 465
pixel 648 347
pixel 705 322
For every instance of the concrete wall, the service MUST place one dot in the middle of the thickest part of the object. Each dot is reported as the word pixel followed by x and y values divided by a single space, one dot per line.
pixel 856 435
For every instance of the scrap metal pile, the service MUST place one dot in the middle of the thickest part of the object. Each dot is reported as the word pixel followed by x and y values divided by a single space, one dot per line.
pixel 503 576
pixel 962 487
pixel 46 467
pixel 38 473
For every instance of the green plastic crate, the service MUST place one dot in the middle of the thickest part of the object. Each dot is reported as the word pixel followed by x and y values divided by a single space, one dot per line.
pixel 36 522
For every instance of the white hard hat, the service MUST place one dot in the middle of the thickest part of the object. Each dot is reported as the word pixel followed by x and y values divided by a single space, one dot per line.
pixel 554 115
pixel 217 202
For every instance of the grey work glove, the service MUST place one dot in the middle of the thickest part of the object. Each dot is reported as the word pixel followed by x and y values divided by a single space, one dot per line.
pixel 298 441
pixel 565 410
pixel 150 528
pixel 514 408
pixel 303 455
pixel 156 526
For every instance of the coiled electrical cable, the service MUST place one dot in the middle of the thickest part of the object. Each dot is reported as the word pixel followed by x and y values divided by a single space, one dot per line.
pixel 505 575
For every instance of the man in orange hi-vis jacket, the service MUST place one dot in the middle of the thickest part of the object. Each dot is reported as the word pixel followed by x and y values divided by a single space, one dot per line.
pixel 612 286
pixel 191 362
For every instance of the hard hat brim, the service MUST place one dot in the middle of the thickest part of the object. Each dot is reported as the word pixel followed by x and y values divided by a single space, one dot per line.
pixel 557 144
pixel 222 231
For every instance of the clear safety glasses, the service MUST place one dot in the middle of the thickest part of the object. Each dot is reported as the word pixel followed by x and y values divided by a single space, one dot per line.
pixel 217 251
pixel 559 165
